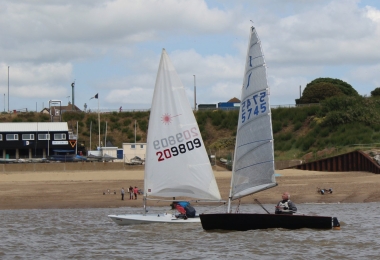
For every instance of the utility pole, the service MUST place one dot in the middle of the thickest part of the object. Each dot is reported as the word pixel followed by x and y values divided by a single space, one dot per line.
pixel 300 91
pixel 8 89
pixel 195 95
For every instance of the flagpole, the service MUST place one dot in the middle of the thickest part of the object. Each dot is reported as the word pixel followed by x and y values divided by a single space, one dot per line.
pixel 99 121
pixel 76 147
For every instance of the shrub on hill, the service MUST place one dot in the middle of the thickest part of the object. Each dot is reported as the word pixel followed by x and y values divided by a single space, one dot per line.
pixel 343 110
pixel 375 92
pixel 323 88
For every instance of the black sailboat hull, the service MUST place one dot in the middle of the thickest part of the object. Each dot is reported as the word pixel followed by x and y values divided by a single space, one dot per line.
pixel 250 221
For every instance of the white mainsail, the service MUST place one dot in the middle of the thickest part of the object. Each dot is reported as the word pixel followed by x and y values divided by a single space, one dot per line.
pixel 176 162
pixel 253 167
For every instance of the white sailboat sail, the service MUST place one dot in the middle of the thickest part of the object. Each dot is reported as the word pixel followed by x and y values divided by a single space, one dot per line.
pixel 176 162
pixel 253 168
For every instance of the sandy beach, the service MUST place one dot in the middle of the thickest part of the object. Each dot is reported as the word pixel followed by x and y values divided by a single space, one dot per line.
pixel 84 189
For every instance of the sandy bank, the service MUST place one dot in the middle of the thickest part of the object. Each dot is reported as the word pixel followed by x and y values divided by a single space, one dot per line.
pixel 84 189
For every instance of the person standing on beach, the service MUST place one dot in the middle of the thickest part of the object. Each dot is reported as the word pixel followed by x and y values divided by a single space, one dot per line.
pixel 130 192
pixel 135 191
pixel 122 193
pixel 286 206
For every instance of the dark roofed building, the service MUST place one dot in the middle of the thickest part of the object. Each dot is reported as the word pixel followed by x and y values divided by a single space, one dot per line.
pixel 233 103
pixel 35 139
pixel 234 100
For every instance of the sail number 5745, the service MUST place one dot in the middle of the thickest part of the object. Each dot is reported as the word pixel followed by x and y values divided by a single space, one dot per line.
pixel 253 106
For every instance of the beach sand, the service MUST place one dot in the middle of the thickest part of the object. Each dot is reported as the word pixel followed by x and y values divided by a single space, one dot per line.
pixel 84 189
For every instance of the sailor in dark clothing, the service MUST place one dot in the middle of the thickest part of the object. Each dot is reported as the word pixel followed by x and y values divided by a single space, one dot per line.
pixel 286 206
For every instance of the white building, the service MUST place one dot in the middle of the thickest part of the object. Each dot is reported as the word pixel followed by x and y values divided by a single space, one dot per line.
pixel 131 150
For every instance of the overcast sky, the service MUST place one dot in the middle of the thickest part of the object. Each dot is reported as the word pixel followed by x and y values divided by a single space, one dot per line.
pixel 113 48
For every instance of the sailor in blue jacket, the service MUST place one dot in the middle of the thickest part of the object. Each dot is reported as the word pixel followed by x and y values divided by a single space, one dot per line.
pixel 185 209
pixel 286 206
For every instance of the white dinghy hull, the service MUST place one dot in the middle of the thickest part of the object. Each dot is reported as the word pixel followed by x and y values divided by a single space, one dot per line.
pixel 132 219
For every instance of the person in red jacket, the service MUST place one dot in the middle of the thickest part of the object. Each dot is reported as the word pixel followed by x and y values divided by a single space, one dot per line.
pixel 185 209
pixel 135 191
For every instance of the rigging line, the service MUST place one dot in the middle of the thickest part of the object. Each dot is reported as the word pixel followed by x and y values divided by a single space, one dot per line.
pixel 213 209
pixel 261 205
pixel 238 207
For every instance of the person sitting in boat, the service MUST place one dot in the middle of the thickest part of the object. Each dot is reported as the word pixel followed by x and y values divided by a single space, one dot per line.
pixel 286 206
pixel 185 209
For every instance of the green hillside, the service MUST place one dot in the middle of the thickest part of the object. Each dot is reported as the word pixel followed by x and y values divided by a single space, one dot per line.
pixel 336 125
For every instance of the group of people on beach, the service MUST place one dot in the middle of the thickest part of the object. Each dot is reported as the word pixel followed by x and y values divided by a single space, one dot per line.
pixel 132 193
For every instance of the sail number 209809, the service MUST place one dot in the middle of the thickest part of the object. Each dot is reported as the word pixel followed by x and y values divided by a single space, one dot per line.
pixel 253 106
pixel 177 144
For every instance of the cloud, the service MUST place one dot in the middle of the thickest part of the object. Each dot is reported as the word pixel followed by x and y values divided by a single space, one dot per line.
pixel 113 47
pixel 40 80
pixel 51 31
pixel 133 97
pixel 339 33
pixel 368 76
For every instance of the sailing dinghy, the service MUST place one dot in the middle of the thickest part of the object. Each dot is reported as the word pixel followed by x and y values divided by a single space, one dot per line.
pixel 177 164
pixel 253 167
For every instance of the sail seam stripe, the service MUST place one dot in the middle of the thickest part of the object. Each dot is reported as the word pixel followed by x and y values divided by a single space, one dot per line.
pixel 257 57
pixel 255 142
pixel 258 42
pixel 253 165
pixel 253 68
pixel 251 94
pixel 247 124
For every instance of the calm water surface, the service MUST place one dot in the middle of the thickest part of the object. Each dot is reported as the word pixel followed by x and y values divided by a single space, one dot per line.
pixel 90 234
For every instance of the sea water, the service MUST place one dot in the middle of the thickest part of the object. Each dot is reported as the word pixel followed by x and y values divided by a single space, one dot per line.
pixel 90 234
